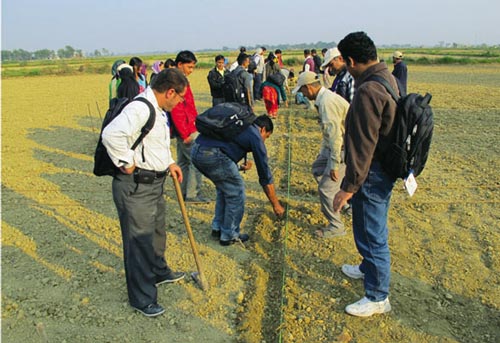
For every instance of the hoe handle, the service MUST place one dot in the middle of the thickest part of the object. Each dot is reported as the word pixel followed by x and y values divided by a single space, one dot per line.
pixel 201 277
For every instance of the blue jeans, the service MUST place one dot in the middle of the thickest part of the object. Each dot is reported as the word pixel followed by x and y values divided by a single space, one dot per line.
pixel 370 206
pixel 230 201
pixel 191 183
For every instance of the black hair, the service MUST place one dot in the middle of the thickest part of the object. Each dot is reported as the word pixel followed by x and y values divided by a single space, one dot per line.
pixel 169 63
pixel 242 57
pixel 218 58
pixel 307 52
pixel 359 47
pixel 270 58
pixel 324 50
pixel 265 122
pixel 128 87
pixel 185 56
pixel 277 51
pixel 243 49
pixel 313 51
pixel 135 61
pixel 170 78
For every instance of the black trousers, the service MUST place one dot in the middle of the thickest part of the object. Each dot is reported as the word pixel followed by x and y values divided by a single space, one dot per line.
pixel 141 210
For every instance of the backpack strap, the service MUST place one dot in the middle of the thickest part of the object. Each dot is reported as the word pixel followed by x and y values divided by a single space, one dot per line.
pixel 386 84
pixel 149 124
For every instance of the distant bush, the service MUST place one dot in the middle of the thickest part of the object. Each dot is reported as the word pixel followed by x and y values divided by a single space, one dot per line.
pixel 292 61
pixel 205 65
pixel 34 72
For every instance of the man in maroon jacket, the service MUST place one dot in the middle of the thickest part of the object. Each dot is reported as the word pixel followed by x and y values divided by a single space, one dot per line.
pixel 367 136
pixel 183 116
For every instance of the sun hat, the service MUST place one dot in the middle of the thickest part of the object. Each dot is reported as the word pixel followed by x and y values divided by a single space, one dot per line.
pixel 305 78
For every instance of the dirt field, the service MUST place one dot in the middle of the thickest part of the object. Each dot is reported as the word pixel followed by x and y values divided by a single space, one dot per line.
pixel 62 270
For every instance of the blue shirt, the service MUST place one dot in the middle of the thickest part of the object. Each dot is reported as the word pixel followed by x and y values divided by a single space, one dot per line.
pixel 249 140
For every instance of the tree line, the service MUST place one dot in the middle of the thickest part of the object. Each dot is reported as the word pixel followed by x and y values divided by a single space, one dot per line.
pixel 46 54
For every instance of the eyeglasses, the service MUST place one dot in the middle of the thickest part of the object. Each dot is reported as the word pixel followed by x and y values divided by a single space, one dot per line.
pixel 180 96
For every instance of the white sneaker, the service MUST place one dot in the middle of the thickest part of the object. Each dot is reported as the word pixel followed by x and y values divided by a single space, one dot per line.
pixel 353 271
pixel 365 307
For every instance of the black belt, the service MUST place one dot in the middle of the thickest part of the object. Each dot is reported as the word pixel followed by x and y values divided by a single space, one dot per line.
pixel 148 176
pixel 157 174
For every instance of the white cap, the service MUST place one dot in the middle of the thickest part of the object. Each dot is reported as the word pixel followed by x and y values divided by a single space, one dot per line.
pixel 330 55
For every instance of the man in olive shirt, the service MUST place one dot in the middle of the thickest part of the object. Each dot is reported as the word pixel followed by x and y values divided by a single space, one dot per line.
pixel 329 167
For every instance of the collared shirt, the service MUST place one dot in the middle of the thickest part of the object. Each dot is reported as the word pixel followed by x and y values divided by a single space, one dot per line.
pixel 259 61
pixel 153 153
pixel 332 109
pixel 343 85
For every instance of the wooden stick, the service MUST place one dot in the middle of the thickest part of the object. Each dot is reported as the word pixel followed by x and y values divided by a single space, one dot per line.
pixel 200 278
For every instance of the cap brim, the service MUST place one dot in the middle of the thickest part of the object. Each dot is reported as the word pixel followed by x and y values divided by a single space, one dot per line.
pixel 326 63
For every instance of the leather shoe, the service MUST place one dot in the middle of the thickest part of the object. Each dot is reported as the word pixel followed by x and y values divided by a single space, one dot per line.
pixel 243 237
pixel 152 310
pixel 170 277
pixel 216 234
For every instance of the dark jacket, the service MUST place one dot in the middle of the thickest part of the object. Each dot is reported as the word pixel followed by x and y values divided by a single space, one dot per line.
pixel 317 64
pixel 216 82
pixel 401 73
pixel 368 124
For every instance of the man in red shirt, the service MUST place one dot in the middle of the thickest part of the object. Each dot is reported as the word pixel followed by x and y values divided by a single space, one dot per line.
pixel 183 117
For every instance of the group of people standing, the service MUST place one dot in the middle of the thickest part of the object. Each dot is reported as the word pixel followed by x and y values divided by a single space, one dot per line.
pixel 356 125
pixel 261 78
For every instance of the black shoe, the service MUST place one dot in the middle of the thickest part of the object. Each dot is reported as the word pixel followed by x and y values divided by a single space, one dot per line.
pixel 216 234
pixel 243 237
pixel 152 310
pixel 170 277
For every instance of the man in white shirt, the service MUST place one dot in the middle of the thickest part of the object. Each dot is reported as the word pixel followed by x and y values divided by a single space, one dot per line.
pixel 138 188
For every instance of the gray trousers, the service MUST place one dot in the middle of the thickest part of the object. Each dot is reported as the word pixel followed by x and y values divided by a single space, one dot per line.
pixel 327 188
pixel 141 210
pixel 191 182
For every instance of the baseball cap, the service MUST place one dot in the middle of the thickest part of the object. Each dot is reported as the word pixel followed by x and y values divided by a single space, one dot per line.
pixel 330 55
pixel 305 78
pixel 397 54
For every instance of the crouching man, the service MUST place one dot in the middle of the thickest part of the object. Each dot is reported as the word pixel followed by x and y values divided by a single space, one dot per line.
pixel 218 161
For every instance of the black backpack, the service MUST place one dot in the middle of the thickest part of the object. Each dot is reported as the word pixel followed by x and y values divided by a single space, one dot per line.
pixel 277 78
pixel 102 162
pixel 233 88
pixel 225 121
pixel 411 132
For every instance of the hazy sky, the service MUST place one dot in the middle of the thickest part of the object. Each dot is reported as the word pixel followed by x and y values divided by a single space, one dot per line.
pixel 152 25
